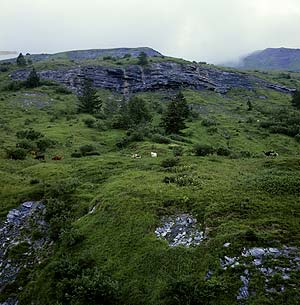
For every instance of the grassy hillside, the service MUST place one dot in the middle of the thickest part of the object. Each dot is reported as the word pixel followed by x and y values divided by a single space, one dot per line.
pixel 106 206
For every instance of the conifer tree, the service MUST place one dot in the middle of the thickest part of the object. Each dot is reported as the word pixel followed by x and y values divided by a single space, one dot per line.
pixel 143 59
pixel 33 80
pixel 296 99
pixel 137 111
pixel 21 61
pixel 89 102
pixel 173 119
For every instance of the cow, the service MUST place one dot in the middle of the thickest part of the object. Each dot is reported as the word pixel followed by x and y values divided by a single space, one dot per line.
pixel 136 156
pixel 270 153
pixel 57 158
pixel 153 154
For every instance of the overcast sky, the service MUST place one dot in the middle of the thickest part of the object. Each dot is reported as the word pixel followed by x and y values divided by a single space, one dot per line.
pixel 203 30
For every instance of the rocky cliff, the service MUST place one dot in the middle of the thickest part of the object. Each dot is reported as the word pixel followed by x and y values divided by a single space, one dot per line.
pixel 156 76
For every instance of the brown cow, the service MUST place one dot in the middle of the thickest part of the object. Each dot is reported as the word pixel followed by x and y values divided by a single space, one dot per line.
pixel 57 158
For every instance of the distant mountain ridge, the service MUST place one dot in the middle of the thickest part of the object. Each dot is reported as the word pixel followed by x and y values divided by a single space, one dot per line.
pixel 95 53
pixel 284 59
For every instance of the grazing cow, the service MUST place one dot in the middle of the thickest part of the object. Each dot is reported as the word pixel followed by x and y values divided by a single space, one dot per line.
pixel 270 153
pixel 153 154
pixel 57 158
pixel 136 156
pixel 40 157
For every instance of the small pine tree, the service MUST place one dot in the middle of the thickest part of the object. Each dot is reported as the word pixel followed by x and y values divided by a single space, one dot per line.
pixel 249 104
pixel 33 80
pixel 173 118
pixel 21 61
pixel 89 102
pixel 143 59
pixel 296 99
pixel 137 111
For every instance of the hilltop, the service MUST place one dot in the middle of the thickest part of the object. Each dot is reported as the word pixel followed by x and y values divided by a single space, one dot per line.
pixel 109 207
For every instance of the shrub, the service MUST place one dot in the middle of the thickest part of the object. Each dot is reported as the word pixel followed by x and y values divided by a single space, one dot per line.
pixel 245 154
pixel 16 154
pixel 212 130
pixel 45 143
pixel 178 151
pixel 14 86
pixel 76 154
pixel 29 134
pixel 26 144
pixel 122 142
pixel 157 138
pixel 119 121
pixel 87 149
pixel 62 90
pixel 203 150
pixel 71 237
pixel 297 137
pixel 100 125
pixel 170 162
pixel 179 138
pixel 89 122
pixel 3 69
pixel 82 281
pixel 208 122
pixel 223 151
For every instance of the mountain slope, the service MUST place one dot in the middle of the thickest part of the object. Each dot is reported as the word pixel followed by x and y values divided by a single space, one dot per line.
pixel 210 220
pixel 273 59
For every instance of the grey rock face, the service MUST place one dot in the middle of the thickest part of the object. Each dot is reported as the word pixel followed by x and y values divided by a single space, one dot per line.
pixel 18 248
pixel 180 230
pixel 157 76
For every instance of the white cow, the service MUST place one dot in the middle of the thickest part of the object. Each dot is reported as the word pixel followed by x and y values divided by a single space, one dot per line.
pixel 153 154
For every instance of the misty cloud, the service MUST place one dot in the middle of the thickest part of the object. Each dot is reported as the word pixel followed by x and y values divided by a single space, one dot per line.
pixel 213 31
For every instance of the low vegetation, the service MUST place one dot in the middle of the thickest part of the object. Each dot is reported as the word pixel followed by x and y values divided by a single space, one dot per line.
pixel 105 194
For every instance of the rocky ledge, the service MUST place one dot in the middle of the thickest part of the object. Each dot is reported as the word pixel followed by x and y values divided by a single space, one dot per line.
pixel 23 237
pixel 156 76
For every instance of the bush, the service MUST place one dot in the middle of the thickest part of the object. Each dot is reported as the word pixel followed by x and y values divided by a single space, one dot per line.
pixel 80 282
pixel 203 150
pixel 62 90
pixel 297 137
pixel 100 125
pixel 87 149
pixel 29 134
pixel 223 151
pixel 179 138
pixel 90 122
pixel 14 86
pixel 208 122
pixel 119 121
pixel 170 162
pixel 76 155
pixel 122 142
pixel 45 143
pixel 3 69
pixel 16 154
pixel 178 151
pixel 26 144
pixel 157 138
pixel 245 154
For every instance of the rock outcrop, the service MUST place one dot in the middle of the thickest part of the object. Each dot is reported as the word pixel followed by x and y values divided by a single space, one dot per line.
pixel 23 236
pixel 156 76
